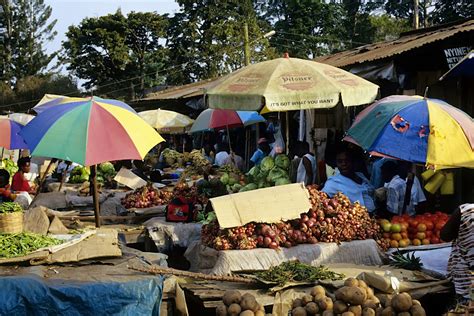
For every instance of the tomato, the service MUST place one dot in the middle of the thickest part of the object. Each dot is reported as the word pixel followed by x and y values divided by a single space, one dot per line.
pixel 439 225
pixel 413 223
pixel 428 233
pixel 404 227
pixel 396 219
pixel 429 225
pixel 434 240
pixel 421 227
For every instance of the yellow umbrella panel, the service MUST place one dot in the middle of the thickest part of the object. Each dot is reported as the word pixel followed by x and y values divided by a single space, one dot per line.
pixel 167 121
pixel 285 84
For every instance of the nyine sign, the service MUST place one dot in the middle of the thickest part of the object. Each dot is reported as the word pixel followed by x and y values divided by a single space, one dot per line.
pixel 454 55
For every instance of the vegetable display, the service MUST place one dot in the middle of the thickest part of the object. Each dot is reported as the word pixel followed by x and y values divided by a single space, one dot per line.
pixel 105 173
pixel 10 166
pixel 234 303
pixel 10 207
pixel 270 172
pixel 423 229
pixel 146 196
pixel 355 298
pixel 15 245
pixel 294 271
pixel 79 174
pixel 329 220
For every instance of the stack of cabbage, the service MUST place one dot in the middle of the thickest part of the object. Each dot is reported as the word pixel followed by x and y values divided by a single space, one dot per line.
pixel 105 173
pixel 270 172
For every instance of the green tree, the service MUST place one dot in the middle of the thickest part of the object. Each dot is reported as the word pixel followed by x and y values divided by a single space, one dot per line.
pixel 388 27
pixel 117 54
pixel 206 38
pixel 448 11
pixel 27 28
pixel 304 28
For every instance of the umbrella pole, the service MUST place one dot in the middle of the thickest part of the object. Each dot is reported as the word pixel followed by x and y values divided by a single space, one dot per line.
pixel 95 195
pixel 43 178
pixel 228 136
pixel 63 178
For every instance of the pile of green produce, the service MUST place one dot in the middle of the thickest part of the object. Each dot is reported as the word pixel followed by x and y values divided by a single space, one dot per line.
pixel 79 174
pixel 10 166
pixel 10 207
pixel 105 173
pixel 295 271
pixel 270 172
pixel 233 182
pixel 20 244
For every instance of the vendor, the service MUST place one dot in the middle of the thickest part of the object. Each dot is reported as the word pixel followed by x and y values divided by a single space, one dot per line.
pixel 235 160
pixel 19 182
pixel 5 192
pixel 396 188
pixel 262 151
pixel 459 229
pixel 352 184
pixel 222 154
pixel 306 171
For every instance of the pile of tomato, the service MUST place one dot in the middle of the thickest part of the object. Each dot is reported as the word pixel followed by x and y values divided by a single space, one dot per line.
pixel 423 229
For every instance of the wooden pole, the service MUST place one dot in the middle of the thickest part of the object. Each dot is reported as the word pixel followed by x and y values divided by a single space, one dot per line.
pixel 228 136
pixel 246 44
pixel 95 195
pixel 42 179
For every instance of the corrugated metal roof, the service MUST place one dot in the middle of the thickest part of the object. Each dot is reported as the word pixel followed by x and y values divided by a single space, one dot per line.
pixel 186 91
pixel 406 42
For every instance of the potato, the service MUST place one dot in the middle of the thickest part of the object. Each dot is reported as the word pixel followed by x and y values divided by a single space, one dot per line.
pixel 369 292
pixel 385 299
pixel 351 282
pixel 388 311
pixel 221 310
pixel 416 302
pixel 328 313
pixel 402 302
pixel 312 308
pixel 306 299
pixel 347 314
pixel 362 284
pixel 318 289
pixel 297 303
pixel 417 310
pixel 325 304
pixel 299 311
pixel 231 297
pixel 247 313
pixel 370 304
pixel 378 311
pixel 356 310
pixel 357 296
pixel 249 302
pixel 318 297
pixel 404 314
pixel 234 310
pixel 259 313
pixel 339 307
pixel 367 311
pixel 343 294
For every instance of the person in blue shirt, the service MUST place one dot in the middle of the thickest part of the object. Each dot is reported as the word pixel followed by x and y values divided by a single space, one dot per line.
pixel 352 184
pixel 262 151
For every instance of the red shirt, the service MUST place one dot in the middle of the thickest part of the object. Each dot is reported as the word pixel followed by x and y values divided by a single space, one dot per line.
pixel 19 183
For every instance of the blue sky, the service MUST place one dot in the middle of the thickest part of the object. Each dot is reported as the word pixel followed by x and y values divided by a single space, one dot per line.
pixel 69 12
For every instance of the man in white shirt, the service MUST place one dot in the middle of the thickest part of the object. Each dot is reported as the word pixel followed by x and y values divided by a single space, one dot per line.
pixel 222 154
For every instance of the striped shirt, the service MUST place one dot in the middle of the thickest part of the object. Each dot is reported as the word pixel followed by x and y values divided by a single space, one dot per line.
pixel 461 261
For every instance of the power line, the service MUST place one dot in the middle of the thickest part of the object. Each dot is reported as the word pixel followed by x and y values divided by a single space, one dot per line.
pixel 325 38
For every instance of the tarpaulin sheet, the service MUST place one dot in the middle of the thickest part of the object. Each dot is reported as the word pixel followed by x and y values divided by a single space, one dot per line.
pixel 31 295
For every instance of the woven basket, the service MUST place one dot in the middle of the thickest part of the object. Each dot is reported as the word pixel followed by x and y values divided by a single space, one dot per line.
pixel 11 222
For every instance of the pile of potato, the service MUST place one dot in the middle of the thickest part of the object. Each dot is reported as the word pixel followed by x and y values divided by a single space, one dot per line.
pixel 355 298
pixel 315 303
pixel 235 304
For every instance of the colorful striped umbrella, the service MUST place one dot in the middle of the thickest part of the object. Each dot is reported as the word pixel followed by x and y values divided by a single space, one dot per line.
pixel 9 138
pixel 416 129
pixel 89 131
pixel 167 121
pixel 220 119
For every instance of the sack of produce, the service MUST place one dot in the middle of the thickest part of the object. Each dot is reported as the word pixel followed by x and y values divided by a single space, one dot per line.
pixel 11 217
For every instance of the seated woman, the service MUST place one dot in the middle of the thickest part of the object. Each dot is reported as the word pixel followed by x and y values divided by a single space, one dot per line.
pixel 459 229
pixel 352 184
pixel 19 182
pixel 5 192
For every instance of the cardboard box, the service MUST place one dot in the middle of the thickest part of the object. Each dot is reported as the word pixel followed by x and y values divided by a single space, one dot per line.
pixel 129 179
pixel 269 205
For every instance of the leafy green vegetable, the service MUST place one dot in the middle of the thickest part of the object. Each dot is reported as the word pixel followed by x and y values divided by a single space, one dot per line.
pixel 267 164
pixel 15 245
pixel 225 178
pixel 276 173
pixel 282 161
pixel 79 175
pixel 10 166
pixel 282 181
pixel 10 207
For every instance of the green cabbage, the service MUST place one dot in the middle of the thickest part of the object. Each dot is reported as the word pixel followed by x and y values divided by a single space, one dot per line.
pixel 225 178
pixel 276 173
pixel 282 161
pixel 107 168
pixel 249 187
pixel 282 181
pixel 267 164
